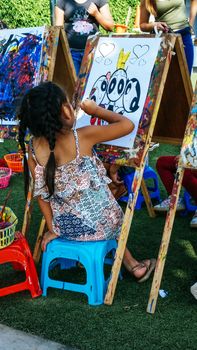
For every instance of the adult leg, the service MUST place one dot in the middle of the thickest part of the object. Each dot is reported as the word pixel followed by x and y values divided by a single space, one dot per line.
pixel 189 50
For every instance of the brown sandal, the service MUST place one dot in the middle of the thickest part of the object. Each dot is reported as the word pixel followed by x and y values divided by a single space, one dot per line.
pixel 149 269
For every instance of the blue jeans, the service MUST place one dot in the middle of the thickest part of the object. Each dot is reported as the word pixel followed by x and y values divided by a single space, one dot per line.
pixel 188 46
pixel 77 56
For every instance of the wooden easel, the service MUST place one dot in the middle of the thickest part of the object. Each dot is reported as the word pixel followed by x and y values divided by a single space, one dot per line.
pixel 173 65
pixel 56 62
pixel 189 134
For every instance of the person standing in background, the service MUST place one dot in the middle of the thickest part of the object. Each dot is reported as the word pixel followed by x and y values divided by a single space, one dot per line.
pixel 170 16
pixel 80 19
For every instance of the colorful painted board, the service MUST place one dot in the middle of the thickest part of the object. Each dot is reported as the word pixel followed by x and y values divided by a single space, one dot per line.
pixel 20 58
pixel 188 159
pixel 29 56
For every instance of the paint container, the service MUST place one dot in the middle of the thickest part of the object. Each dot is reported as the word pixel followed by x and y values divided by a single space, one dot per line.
pixel 163 293
pixel 121 28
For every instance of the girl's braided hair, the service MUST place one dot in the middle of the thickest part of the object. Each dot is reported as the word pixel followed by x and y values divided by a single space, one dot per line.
pixel 40 112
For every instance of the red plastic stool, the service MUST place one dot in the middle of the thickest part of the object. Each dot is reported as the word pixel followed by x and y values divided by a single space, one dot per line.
pixel 19 254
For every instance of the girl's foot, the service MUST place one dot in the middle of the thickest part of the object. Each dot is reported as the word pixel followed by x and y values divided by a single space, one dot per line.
pixel 48 236
pixel 142 270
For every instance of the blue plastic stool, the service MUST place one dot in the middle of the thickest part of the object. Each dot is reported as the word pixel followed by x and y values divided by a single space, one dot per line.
pixel 154 191
pixel 92 255
pixel 189 206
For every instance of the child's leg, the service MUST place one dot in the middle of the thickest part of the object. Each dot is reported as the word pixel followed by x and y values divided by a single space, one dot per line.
pixel 190 182
pixel 139 269
pixel 166 168
pixel 48 236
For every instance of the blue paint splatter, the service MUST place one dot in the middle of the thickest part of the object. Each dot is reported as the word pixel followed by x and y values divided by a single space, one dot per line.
pixel 20 63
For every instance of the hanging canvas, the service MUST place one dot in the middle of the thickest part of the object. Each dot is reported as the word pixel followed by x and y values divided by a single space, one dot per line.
pixel 20 56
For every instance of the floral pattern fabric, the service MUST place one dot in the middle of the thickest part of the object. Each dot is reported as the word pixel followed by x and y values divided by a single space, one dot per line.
pixel 83 207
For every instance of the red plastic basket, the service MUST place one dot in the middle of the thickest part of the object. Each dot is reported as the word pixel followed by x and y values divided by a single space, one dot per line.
pixel 14 162
pixel 5 174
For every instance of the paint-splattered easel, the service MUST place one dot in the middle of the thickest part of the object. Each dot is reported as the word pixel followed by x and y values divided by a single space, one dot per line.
pixel 170 77
pixel 188 160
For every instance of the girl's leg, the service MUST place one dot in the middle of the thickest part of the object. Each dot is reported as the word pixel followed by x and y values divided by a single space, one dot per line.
pixel 190 182
pixel 166 168
pixel 48 236
pixel 139 269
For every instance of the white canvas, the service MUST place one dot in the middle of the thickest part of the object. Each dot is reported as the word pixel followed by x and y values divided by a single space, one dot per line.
pixel 119 79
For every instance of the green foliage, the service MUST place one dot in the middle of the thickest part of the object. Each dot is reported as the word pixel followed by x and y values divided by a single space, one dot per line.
pixel 119 10
pixel 25 13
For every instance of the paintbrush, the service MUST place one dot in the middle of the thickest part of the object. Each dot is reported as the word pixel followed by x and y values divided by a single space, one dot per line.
pixel 128 16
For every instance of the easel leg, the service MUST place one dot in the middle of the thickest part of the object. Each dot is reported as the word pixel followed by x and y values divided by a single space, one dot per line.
pixel 37 248
pixel 147 199
pixel 165 242
pixel 28 209
pixel 124 236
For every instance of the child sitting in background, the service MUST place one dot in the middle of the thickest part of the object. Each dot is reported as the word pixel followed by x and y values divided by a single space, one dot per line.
pixel 70 181
pixel 167 167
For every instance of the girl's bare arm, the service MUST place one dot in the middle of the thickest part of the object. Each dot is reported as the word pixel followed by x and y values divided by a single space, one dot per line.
pixel 118 125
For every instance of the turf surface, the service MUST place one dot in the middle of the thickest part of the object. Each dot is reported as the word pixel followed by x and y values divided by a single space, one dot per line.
pixel 66 317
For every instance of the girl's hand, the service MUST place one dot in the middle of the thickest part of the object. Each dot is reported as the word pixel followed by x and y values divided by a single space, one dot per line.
pixel 93 10
pixel 48 236
pixel 113 174
pixel 89 107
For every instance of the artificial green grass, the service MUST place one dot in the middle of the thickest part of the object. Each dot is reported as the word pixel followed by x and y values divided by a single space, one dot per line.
pixel 67 318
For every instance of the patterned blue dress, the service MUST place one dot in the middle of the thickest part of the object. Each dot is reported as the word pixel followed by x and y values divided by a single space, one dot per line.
pixel 83 207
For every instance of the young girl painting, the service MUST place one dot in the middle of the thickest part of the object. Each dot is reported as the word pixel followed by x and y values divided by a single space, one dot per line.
pixel 70 182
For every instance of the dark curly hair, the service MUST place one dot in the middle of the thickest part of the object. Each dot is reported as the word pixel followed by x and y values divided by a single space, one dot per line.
pixel 40 113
